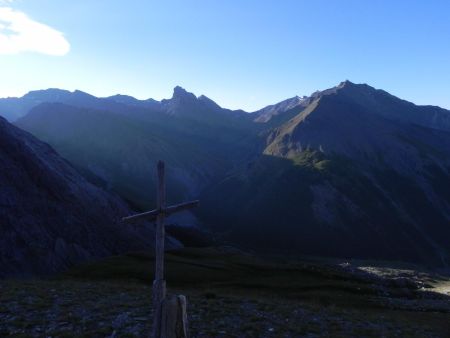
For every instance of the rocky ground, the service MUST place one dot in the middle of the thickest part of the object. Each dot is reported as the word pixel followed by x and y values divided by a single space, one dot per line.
pixel 306 300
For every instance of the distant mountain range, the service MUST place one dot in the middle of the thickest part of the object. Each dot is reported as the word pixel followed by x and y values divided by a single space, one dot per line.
pixel 120 143
pixel 350 171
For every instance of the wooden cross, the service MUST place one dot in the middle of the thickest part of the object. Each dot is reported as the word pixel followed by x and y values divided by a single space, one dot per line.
pixel 159 284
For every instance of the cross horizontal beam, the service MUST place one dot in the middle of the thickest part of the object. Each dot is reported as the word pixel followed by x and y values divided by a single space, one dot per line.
pixel 151 215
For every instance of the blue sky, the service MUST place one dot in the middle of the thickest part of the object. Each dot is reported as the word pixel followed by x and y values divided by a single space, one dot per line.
pixel 243 54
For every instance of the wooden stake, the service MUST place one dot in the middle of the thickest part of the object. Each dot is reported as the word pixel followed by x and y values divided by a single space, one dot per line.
pixel 174 318
pixel 159 284
pixel 170 318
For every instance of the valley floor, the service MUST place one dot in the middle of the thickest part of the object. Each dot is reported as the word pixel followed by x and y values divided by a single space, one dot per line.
pixel 230 294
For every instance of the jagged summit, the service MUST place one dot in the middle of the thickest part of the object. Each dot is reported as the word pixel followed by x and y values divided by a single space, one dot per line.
pixel 211 103
pixel 204 98
pixel 181 93
pixel 348 85
pixel 287 106
pixel 345 84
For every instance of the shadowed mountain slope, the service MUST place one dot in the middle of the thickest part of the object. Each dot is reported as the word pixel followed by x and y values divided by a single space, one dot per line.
pixel 52 218
pixel 357 172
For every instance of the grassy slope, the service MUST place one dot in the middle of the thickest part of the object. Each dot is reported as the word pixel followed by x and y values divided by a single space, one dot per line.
pixel 231 294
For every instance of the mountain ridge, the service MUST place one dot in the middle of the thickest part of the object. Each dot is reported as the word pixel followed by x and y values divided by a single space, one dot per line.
pixel 440 116
pixel 354 171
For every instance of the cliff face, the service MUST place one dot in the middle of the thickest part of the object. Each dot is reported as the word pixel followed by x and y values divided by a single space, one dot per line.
pixel 50 216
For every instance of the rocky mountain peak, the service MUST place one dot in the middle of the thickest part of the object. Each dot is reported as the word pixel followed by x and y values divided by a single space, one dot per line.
pixel 267 113
pixel 181 93
pixel 47 94
pixel 126 99
pixel 346 83
pixel 207 101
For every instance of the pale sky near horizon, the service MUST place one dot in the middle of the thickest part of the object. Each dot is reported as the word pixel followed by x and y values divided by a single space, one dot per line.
pixel 241 53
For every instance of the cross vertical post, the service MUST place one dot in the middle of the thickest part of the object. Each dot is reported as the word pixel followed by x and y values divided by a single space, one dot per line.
pixel 169 316
pixel 159 284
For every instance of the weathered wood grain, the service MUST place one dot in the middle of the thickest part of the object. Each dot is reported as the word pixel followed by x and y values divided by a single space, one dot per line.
pixel 174 317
